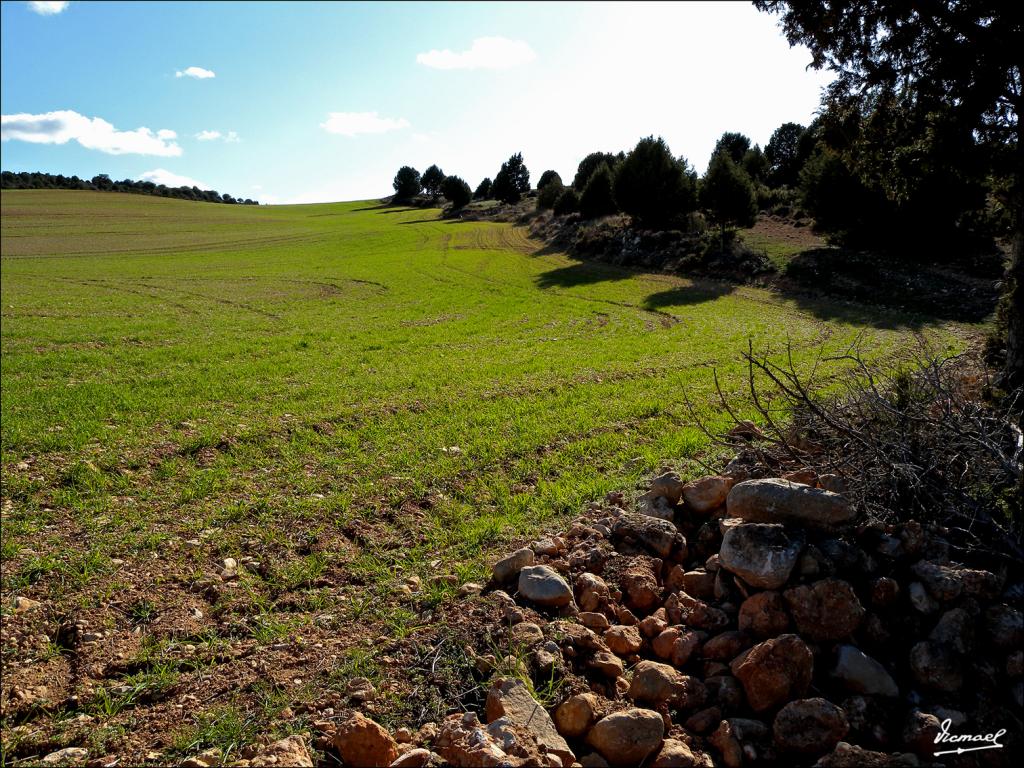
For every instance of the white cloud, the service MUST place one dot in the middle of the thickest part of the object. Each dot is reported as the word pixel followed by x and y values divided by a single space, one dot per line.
pixel 484 53
pixel 197 72
pixel 48 7
pixel 62 126
pixel 163 176
pixel 232 138
pixel 355 123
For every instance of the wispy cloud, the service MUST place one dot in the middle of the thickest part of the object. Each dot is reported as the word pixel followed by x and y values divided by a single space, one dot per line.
pixel 163 176
pixel 355 123
pixel 48 7
pixel 63 126
pixel 196 72
pixel 231 137
pixel 484 53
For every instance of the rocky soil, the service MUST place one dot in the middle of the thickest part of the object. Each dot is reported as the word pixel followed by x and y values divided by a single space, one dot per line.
pixel 732 622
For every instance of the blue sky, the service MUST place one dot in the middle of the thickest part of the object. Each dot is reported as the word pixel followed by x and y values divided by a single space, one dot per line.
pixel 308 102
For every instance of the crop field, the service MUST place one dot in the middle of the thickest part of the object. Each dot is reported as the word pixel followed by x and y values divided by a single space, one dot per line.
pixel 359 404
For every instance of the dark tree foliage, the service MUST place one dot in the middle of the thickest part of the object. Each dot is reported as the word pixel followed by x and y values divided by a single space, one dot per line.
pixel 407 183
pixel 957 59
pixel 512 181
pixel 654 187
pixel 456 191
pixel 784 153
pixel 483 190
pixel 103 183
pixel 727 194
pixel 591 163
pixel 547 178
pixel 734 144
pixel 432 180
pixel 598 198
pixel 835 197
pixel 549 194
pixel 755 164
pixel 568 202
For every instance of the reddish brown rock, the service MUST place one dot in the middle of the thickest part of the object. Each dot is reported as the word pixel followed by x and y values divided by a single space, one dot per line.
pixel 726 646
pixel 936 667
pixel 656 683
pixel 575 715
pixel 764 615
pixel 360 741
pixel 678 754
pixel 638 582
pixel 775 671
pixel 707 493
pixel 884 592
pixel 809 726
pixel 851 756
pixel 627 738
pixel 623 640
pixel 684 609
pixel 825 611
pixel 290 751
pixel 591 592
pixel 463 743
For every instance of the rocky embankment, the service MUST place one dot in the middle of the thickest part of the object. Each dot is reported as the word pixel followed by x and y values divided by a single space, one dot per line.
pixel 732 622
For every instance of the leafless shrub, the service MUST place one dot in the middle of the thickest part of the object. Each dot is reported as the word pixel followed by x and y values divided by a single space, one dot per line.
pixel 914 440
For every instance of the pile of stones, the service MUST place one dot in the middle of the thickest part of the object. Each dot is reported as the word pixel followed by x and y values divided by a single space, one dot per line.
pixel 736 622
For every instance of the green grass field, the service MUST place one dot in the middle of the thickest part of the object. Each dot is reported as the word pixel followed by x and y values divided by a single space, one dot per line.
pixel 350 394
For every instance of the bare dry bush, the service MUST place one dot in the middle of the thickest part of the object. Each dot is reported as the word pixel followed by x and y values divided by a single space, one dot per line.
pixel 918 441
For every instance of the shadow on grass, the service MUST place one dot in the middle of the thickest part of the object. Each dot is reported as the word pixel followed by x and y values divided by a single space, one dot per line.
pixel 698 292
pixel 581 273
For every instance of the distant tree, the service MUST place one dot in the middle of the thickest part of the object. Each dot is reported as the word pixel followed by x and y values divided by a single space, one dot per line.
pixel 483 191
pixel 512 181
pixel 568 202
pixel 783 153
pixel 652 186
pixel 547 177
pixel 407 183
pixel 733 144
pixel 755 164
pixel 598 198
pixel 432 180
pixel 456 191
pixel 591 163
pixel 839 202
pixel 102 182
pixel 549 194
pixel 727 194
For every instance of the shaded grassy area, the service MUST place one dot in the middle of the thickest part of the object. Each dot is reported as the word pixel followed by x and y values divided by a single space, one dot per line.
pixel 339 397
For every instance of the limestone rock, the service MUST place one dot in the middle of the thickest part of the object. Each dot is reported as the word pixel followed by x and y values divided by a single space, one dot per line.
pixel 463 743
pixel 290 751
pixel 509 698
pixel 760 554
pixel 508 568
pixel 860 673
pixel 592 591
pixel 773 500
pixel 684 609
pixel 668 486
pixel 542 585
pixel 659 536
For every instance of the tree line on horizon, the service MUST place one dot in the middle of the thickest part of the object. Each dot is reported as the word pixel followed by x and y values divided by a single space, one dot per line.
pixel 103 183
